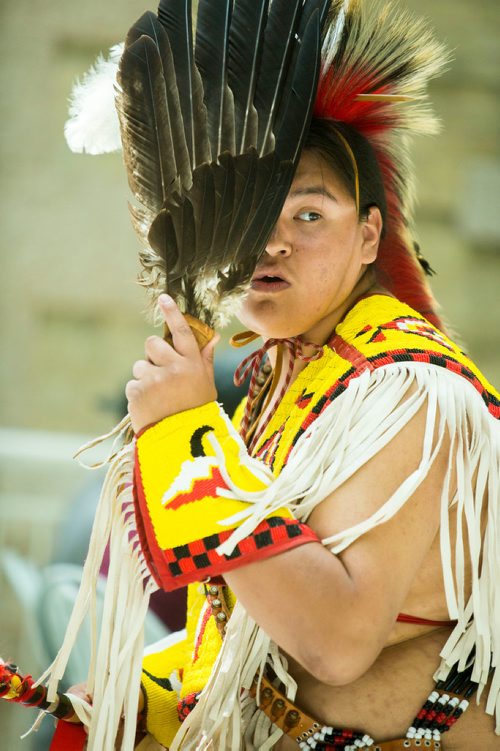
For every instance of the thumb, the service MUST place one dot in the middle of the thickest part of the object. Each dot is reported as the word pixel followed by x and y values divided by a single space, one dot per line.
pixel 208 351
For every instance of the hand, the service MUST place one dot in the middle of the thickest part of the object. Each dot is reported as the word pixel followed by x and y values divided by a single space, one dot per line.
pixel 172 378
pixel 80 689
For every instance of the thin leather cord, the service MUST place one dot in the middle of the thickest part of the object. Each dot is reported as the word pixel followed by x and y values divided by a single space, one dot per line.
pixel 251 365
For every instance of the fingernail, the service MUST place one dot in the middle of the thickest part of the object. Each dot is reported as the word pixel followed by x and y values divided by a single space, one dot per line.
pixel 165 299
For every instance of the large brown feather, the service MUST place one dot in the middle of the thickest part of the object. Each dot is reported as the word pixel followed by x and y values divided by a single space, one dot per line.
pixel 207 167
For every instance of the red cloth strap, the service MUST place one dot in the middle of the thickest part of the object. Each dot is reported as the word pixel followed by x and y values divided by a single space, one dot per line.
pixel 405 618
pixel 68 737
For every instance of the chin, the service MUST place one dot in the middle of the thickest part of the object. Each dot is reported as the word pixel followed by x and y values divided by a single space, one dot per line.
pixel 268 329
pixel 267 324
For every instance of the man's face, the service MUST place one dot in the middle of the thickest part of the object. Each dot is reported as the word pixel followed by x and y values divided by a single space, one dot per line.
pixel 314 259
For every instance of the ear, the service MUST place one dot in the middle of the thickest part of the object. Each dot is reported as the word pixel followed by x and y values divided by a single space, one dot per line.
pixel 372 230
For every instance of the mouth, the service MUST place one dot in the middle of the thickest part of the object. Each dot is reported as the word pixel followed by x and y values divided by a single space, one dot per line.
pixel 268 282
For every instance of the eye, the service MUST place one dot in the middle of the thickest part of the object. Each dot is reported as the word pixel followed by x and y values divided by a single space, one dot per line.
pixel 308 216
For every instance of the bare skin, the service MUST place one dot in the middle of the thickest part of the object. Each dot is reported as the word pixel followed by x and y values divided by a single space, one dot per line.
pixel 365 671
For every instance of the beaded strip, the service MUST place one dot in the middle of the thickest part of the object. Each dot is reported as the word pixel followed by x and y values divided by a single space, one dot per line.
pixel 221 614
pixel 444 706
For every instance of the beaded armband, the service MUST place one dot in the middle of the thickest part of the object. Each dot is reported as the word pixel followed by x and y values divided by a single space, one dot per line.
pixel 184 467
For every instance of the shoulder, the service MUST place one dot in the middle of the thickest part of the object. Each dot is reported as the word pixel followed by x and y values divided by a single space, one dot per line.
pixel 396 458
pixel 381 323
pixel 387 332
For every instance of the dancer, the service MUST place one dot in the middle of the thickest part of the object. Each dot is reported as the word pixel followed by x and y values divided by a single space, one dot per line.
pixel 340 539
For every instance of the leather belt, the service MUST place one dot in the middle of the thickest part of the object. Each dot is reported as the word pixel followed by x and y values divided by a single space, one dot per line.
pixel 285 715
pixel 299 726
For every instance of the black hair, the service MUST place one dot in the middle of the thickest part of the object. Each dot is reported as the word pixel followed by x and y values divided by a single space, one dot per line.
pixel 325 138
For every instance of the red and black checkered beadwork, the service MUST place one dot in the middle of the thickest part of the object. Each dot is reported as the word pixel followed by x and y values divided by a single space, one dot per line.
pixel 198 558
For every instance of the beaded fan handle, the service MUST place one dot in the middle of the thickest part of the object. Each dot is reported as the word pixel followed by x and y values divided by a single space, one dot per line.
pixel 21 689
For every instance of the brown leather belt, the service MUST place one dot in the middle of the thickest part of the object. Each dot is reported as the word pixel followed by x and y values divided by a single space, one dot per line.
pixel 300 726
pixel 285 715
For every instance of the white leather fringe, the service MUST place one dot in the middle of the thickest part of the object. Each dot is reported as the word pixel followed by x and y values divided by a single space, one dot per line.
pixel 116 654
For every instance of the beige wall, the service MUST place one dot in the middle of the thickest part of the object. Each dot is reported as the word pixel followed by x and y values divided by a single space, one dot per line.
pixel 69 303
pixel 69 307
pixel 70 310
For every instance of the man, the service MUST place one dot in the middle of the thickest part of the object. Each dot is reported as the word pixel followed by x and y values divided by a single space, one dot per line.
pixel 352 538
pixel 335 617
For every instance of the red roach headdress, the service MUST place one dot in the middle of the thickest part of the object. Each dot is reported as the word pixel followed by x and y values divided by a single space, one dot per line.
pixel 376 63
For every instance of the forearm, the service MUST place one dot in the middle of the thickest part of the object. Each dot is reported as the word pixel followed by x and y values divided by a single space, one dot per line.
pixel 191 470
pixel 289 595
pixel 334 613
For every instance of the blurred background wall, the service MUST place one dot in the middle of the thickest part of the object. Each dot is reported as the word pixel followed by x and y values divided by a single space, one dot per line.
pixel 69 306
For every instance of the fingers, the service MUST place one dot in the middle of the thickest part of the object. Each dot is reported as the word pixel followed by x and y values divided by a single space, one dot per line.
pixel 170 379
pixel 141 368
pixel 80 689
pixel 158 351
pixel 182 336
pixel 133 391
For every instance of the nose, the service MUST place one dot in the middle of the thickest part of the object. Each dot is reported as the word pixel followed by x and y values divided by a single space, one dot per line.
pixel 279 244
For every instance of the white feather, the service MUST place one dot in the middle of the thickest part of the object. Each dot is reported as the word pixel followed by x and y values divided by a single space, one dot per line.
pixel 93 125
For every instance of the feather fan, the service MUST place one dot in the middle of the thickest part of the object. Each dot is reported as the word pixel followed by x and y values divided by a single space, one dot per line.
pixel 212 129
pixel 208 155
